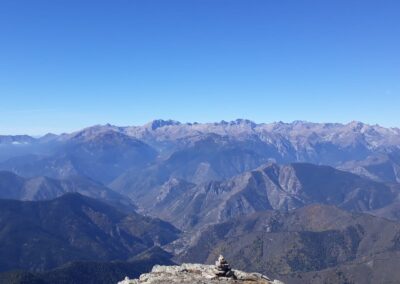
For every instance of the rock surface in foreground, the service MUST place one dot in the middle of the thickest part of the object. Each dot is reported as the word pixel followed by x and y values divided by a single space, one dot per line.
pixel 197 274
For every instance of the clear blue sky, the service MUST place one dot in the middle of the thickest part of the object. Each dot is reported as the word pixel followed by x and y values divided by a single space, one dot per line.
pixel 66 64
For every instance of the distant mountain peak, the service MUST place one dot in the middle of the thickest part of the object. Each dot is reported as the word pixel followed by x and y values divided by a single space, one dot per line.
pixel 48 135
pixel 158 123
pixel 241 121
pixel 295 122
pixel 357 125
pixel 16 139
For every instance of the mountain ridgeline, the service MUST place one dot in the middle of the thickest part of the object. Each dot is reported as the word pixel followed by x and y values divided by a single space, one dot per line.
pixel 269 187
pixel 194 151
pixel 301 202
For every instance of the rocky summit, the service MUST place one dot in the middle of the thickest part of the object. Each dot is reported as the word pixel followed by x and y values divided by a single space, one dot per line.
pixel 189 273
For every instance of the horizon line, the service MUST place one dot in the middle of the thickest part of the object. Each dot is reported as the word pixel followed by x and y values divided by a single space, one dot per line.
pixel 177 122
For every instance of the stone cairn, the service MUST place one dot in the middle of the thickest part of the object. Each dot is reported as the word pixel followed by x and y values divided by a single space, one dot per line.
pixel 223 268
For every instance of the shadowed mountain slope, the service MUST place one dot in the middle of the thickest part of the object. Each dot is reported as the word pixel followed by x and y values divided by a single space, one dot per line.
pixel 306 240
pixel 380 167
pixel 84 272
pixel 44 188
pixel 45 234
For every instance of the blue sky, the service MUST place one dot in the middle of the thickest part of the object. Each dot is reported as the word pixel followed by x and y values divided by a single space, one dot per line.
pixel 66 64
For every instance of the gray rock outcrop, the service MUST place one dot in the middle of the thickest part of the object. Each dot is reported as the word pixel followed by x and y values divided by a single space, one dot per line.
pixel 188 273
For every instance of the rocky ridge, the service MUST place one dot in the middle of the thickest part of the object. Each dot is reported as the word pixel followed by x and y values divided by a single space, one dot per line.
pixel 268 187
pixel 199 274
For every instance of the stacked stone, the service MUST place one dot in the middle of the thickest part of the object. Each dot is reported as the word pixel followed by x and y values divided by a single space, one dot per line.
pixel 223 268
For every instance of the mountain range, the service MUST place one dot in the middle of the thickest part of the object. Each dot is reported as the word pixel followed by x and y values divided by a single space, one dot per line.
pixel 209 151
pixel 300 201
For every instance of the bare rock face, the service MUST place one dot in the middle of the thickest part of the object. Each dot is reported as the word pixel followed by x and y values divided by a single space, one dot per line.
pixel 188 273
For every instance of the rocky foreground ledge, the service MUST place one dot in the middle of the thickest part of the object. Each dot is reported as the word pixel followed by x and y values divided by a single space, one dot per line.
pixel 200 274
